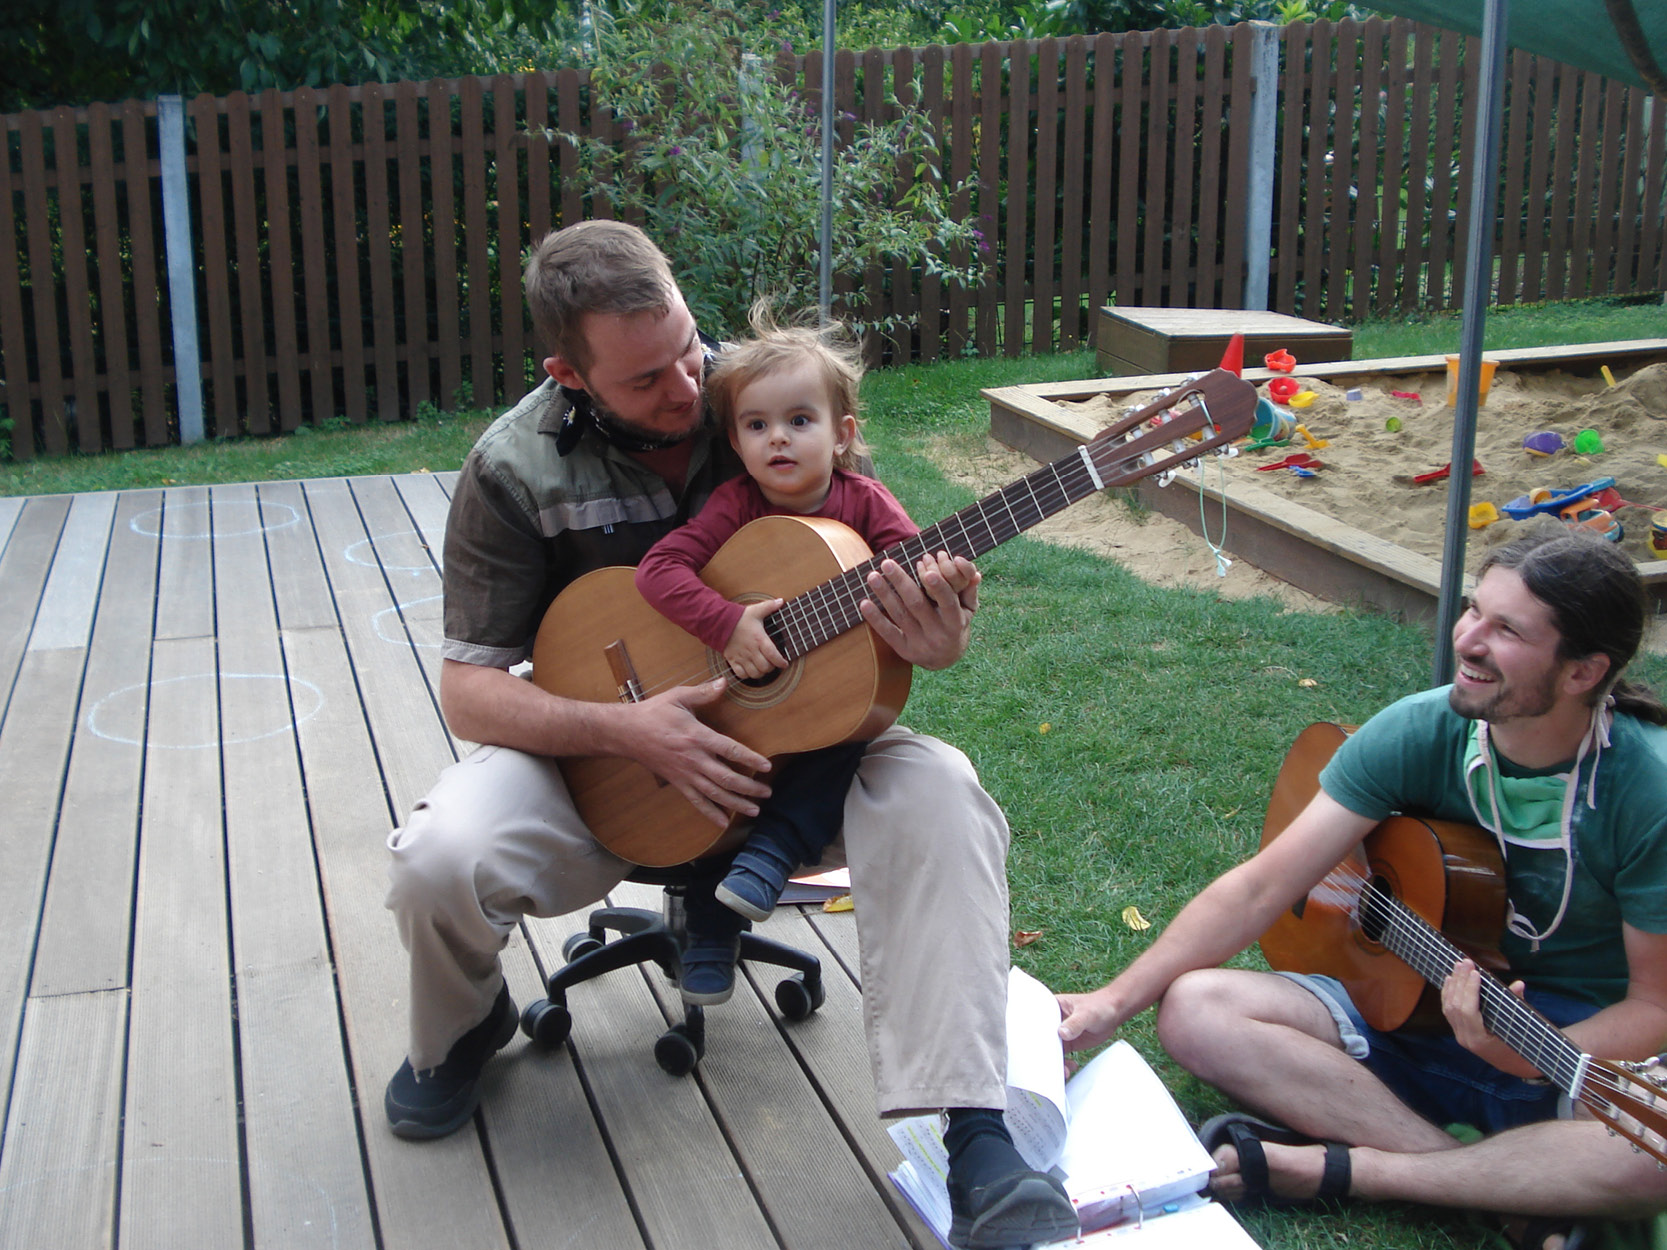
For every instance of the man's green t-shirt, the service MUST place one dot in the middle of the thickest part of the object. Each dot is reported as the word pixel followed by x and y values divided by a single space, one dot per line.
pixel 1409 759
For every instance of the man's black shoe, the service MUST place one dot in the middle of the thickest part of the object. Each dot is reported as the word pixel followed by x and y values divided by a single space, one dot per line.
pixel 440 1100
pixel 1018 1209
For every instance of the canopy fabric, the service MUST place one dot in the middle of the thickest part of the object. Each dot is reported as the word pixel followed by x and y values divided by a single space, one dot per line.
pixel 1585 33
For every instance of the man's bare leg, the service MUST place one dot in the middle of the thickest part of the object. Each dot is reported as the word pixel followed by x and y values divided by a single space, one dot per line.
pixel 1273 1046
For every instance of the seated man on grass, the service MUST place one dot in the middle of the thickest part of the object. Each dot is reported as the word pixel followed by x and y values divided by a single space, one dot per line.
pixel 1541 741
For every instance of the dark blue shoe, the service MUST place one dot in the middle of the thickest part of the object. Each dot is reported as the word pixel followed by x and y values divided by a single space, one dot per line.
pixel 440 1100
pixel 751 894
pixel 755 881
pixel 706 976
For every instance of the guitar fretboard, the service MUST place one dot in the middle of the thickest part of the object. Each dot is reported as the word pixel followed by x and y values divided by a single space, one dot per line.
pixel 1409 936
pixel 824 612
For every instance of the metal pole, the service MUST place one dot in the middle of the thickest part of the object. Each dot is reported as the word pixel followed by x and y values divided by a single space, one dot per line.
pixel 1478 289
pixel 825 286
pixel 182 269
pixel 1258 210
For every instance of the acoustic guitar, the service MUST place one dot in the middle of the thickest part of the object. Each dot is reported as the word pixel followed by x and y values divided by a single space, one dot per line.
pixel 600 641
pixel 1392 920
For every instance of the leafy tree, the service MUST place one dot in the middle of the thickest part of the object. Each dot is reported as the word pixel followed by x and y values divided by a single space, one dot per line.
pixel 74 51
pixel 724 160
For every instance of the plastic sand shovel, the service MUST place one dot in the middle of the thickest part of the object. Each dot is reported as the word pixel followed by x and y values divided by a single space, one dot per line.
pixel 1446 470
pixel 1297 460
pixel 1539 501
pixel 1482 515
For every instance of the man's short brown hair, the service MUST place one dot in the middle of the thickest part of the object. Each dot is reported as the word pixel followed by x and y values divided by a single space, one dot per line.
pixel 592 267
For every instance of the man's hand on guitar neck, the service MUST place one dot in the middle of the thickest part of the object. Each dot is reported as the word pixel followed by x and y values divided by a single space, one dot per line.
pixel 1461 1003
pixel 929 622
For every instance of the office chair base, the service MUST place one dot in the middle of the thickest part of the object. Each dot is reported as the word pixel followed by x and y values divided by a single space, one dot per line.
pixel 647 936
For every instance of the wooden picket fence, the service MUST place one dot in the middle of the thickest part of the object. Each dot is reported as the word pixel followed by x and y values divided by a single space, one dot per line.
pixel 355 251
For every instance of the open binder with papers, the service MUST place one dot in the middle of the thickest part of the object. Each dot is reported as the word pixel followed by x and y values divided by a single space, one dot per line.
pixel 1126 1155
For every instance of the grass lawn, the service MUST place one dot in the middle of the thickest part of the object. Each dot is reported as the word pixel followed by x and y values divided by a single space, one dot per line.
pixel 1130 733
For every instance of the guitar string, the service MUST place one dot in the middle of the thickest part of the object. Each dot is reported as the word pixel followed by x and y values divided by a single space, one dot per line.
pixel 1429 943
pixel 823 612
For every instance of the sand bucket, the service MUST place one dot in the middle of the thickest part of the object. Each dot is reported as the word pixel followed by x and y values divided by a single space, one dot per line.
pixel 1488 367
pixel 1658 538
pixel 1272 424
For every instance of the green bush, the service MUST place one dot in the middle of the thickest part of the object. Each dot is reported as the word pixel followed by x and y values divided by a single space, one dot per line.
pixel 720 160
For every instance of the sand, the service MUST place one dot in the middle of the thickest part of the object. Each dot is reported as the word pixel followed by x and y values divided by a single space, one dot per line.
pixel 1366 478
pixel 1368 472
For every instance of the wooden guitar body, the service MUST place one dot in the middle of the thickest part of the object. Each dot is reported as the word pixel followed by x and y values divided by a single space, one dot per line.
pixel 1447 873
pixel 849 688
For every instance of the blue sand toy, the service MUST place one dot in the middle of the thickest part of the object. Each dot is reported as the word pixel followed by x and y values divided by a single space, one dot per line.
pixel 1524 506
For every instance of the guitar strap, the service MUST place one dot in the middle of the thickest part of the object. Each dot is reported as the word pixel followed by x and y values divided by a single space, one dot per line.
pixel 1535 812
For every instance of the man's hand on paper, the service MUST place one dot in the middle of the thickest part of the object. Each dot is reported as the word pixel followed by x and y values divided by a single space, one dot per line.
pixel 1087 1019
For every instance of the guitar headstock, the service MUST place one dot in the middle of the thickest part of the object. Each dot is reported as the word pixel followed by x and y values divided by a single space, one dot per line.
pixel 1631 1098
pixel 1197 416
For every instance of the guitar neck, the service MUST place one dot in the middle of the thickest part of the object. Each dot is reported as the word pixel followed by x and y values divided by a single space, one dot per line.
pixel 1411 938
pixel 826 611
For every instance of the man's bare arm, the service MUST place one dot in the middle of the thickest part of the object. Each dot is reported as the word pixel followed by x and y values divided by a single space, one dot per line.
pixel 1230 913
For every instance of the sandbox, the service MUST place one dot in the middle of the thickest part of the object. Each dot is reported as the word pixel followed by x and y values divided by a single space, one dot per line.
pixel 1362 531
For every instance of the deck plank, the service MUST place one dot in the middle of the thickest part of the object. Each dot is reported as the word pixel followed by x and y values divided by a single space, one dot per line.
pixel 307 1184
pixel 58 1175
pixel 689 1188
pixel 180 1124
pixel 66 608
pixel 757 1091
pixel 87 922
pixel 184 598
pixel 10 509
pixel 34 745
pixel 298 582
pixel 559 1183
pixel 412 573
pixel 411 742
pixel 24 566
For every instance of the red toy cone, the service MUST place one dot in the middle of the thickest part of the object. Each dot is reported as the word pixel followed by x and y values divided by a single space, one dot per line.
pixel 1233 358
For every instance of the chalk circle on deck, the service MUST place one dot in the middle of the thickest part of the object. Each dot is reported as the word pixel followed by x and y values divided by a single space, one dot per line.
pixel 387 551
pixel 422 625
pixel 231 518
pixel 261 705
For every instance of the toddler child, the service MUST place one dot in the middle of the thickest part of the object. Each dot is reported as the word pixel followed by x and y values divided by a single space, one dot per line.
pixel 788 401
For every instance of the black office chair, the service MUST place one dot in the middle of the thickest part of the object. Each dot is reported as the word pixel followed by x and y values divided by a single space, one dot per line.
pixel 645 936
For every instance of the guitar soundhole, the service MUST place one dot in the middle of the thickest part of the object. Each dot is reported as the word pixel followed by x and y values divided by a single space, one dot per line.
pixel 758 692
pixel 1372 915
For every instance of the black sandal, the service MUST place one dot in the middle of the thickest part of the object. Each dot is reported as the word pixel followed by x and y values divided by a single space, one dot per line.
pixel 1246 1134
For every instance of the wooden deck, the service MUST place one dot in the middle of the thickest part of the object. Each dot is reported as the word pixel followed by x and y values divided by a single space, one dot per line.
pixel 214 705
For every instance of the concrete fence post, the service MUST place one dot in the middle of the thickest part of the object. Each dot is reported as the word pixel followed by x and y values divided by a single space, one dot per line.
pixel 182 269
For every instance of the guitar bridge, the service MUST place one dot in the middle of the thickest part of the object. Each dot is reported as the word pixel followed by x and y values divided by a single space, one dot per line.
pixel 625 673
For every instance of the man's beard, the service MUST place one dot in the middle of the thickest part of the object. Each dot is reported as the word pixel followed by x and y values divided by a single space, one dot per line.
pixel 1505 701
pixel 628 435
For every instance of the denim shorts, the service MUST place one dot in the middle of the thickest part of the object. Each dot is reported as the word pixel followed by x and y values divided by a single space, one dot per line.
pixel 1438 1078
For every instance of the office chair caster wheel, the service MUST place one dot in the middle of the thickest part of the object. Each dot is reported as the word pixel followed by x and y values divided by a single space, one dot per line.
pixel 798 998
pixel 676 1052
pixel 579 945
pixel 546 1023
